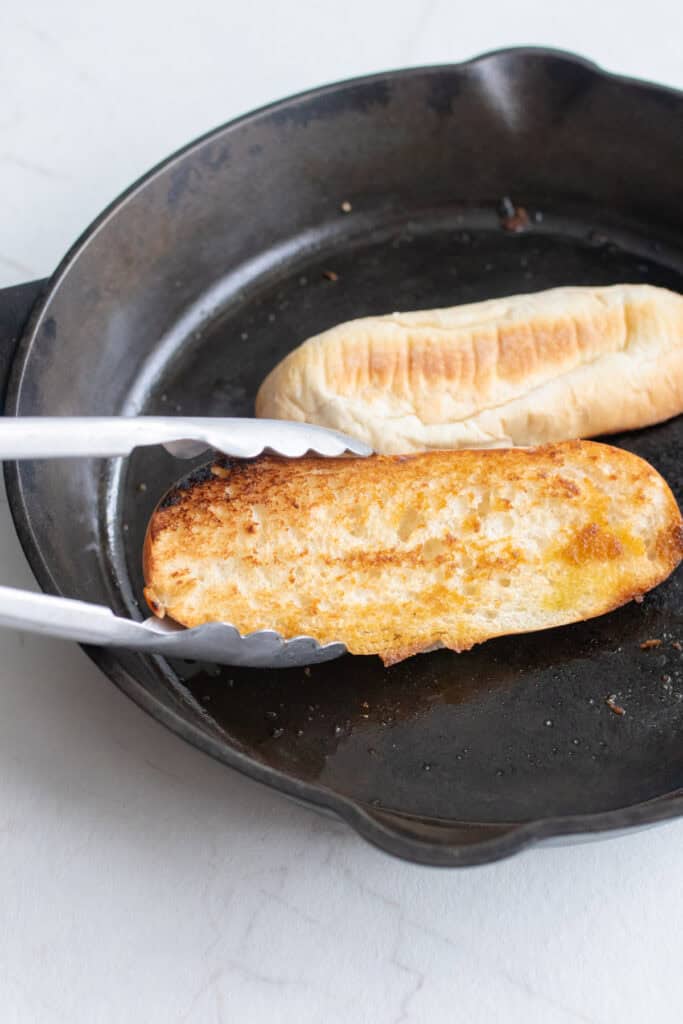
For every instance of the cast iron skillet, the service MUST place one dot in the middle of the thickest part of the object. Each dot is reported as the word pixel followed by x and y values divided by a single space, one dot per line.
pixel 193 284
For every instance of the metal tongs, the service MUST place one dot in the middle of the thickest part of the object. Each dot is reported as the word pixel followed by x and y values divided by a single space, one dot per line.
pixel 102 437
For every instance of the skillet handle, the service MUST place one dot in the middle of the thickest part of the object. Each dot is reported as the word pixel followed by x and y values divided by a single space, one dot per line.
pixel 16 304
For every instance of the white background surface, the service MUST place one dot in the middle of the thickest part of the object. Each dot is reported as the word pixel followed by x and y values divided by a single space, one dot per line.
pixel 139 881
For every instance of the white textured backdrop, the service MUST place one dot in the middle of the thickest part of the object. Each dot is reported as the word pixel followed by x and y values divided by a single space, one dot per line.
pixel 139 881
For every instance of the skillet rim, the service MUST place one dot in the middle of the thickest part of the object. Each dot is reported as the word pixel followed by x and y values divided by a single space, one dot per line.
pixel 437 843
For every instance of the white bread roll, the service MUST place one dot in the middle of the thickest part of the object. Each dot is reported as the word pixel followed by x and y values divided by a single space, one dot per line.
pixel 525 370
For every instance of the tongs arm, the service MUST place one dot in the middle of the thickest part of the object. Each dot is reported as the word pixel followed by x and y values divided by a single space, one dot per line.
pixel 53 437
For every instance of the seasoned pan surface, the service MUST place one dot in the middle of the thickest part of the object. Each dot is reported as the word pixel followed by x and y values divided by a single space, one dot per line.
pixel 193 285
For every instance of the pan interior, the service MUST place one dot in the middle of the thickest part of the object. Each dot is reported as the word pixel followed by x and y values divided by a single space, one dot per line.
pixel 514 730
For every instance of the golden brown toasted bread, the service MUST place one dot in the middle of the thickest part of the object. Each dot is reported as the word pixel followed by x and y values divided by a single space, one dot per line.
pixel 525 370
pixel 397 555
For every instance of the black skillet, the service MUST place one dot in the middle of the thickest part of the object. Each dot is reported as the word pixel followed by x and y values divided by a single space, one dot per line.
pixel 192 285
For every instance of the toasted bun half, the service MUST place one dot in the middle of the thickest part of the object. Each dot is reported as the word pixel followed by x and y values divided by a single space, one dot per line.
pixel 397 555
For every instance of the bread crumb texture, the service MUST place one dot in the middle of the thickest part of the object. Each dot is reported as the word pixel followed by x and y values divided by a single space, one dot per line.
pixel 394 555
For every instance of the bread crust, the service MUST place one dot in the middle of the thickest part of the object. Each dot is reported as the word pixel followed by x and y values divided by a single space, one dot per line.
pixel 525 370
pixel 397 555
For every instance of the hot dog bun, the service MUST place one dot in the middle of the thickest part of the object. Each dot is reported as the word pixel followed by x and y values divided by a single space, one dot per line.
pixel 397 555
pixel 526 370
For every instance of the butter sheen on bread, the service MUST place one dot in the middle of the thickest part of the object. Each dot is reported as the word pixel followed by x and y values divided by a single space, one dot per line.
pixel 397 555
pixel 525 370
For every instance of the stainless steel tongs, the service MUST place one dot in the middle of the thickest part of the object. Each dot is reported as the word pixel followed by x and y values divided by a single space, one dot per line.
pixel 184 437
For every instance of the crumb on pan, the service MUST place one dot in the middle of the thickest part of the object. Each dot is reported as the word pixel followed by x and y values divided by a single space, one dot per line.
pixel 648 644
pixel 512 218
pixel 611 703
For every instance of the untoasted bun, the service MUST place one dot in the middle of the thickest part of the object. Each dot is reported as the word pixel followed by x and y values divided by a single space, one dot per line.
pixel 565 363
pixel 397 555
